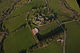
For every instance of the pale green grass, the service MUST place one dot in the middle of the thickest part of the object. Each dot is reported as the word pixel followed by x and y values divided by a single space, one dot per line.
pixel 73 4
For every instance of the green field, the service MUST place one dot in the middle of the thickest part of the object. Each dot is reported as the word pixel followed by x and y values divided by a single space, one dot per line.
pixel 73 4
pixel 6 3
pixel 22 39
pixel 48 27
pixel 52 48
pixel 73 37
pixel 60 10
pixel 18 41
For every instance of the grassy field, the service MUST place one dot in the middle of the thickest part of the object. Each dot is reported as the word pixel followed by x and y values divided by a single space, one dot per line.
pixel 73 37
pixel 48 27
pixel 17 41
pixel 73 4
pixel 73 34
pixel 22 39
pixel 18 16
pixel 4 5
pixel 14 22
pixel 52 48
pixel 62 12
pixel 52 4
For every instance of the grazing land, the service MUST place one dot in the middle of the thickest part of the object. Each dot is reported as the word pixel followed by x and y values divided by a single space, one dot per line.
pixel 39 26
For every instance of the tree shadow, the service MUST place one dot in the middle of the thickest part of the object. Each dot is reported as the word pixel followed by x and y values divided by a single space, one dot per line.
pixel 50 34
pixel 22 51
pixel 78 3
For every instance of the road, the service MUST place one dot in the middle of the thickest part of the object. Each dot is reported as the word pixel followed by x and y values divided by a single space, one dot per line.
pixel 64 44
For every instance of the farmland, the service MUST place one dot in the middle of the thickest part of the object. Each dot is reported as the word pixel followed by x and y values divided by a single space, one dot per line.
pixel 73 4
pixel 53 48
pixel 19 41
pixel 50 17
pixel 72 44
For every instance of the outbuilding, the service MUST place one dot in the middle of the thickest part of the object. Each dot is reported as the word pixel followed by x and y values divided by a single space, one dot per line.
pixel 35 31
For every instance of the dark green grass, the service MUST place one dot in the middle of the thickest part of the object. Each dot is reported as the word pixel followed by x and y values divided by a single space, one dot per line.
pixel 54 5
pixel 52 48
pixel 14 22
pixel 23 38
pixel 60 10
pixel 19 15
pixel 17 41
pixel 4 5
